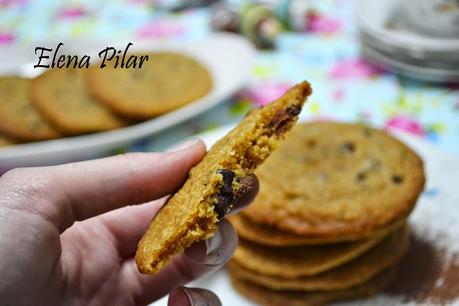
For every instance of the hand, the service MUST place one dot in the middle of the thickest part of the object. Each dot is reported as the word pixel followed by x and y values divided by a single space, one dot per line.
pixel 68 236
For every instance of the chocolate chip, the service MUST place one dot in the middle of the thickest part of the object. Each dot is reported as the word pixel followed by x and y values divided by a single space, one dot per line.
pixel 282 119
pixel 311 143
pixel 397 179
pixel 347 147
pixel 361 176
pixel 224 199
pixel 367 132
pixel 293 110
pixel 222 205
pixel 228 177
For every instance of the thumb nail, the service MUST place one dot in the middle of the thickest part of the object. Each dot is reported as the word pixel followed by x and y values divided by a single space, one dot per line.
pixel 182 296
pixel 183 145
pixel 216 250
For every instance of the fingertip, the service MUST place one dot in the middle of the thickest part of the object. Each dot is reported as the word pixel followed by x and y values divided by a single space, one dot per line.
pixel 183 296
pixel 190 144
pixel 191 151
pixel 199 147
pixel 178 296
pixel 215 251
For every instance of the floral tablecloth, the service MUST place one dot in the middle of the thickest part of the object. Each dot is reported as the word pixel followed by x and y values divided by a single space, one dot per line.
pixel 345 86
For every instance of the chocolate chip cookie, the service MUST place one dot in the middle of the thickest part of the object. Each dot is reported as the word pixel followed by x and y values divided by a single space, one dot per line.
pixel 271 236
pixel 62 97
pixel 357 271
pixel 19 119
pixel 165 82
pixel 215 184
pixel 330 180
pixel 268 297
pixel 5 141
pixel 295 262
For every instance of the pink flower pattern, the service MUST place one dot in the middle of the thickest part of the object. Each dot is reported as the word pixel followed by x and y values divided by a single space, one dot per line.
pixel 12 2
pixel 354 68
pixel 160 29
pixel 322 24
pixel 265 93
pixel 405 124
pixel 71 13
pixel 6 38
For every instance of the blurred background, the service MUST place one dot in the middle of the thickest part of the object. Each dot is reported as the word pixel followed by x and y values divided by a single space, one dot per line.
pixel 365 63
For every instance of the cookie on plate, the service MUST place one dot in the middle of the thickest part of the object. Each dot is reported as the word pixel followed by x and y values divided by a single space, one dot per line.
pixel 271 236
pixel 298 261
pixel 268 297
pixel 215 183
pixel 19 119
pixel 330 180
pixel 5 141
pixel 360 270
pixel 62 97
pixel 165 82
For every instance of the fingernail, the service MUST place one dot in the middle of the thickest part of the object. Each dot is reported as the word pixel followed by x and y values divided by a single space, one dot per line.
pixel 183 145
pixel 249 187
pixel 193 297
pixel 216 250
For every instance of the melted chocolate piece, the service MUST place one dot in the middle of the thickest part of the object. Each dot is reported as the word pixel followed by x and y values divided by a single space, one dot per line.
pixel 397 179
pixel 361 176
pixel 247 185
pixel 282 119
pixel 347 147
pixel 225 198
pixel 367 132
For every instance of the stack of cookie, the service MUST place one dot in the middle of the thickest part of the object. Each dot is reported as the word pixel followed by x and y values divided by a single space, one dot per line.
pixel 330 221
pixel 66 102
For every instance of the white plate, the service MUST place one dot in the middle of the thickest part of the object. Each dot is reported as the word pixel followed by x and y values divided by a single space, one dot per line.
pixel 424 73
pixel 228 57
pixel 434 217
pixel 373 16
pixel 400 48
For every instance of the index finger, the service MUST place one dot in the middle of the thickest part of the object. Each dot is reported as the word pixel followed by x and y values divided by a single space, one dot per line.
pixel 77 191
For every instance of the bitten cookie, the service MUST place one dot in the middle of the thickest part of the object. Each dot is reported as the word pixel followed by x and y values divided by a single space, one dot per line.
pixel 268 297
pixel 19 119
pixel 62 97
pixel 214 185
pixel 165 82
pixel 357 271
pixel 330 180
